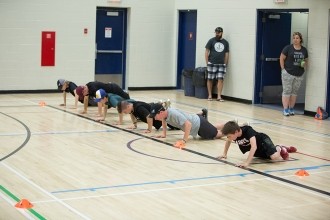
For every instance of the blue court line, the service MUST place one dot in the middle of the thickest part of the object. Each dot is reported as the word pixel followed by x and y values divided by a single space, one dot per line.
pixel 59 132
pixel 174 181
pixel 152 183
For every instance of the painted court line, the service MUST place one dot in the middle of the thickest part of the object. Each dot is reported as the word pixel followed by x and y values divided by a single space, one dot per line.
pixel 308 155
pixel 174 181
pixel 28 135
pixel 22 211
pixel 299 188
pixel 59 132
pixel 44 191
pixel 184 187
pixel 151 190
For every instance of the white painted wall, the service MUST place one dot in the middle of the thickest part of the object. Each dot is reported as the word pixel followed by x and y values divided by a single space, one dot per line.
pixel 21 24
pixel 300 24
pixel 151 43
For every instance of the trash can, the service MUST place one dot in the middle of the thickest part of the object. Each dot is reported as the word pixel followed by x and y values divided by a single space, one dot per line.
pixel 200 82
pixel 189 89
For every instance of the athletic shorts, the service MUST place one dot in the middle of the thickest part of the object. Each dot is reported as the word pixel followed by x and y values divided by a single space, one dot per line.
pixel 265 148
pixel 118 91
pixel 206 129
pixel 291 84
pixel 216 71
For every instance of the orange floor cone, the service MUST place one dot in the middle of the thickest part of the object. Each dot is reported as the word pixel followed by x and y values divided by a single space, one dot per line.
pixel 24 204
pixel 302 173
pixel 42 103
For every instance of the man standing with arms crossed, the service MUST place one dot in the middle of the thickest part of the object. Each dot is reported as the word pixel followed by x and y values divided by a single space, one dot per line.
pixel 216 58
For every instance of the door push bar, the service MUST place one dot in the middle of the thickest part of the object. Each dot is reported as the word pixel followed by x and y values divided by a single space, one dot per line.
pixel 105 51
pixel 271 59
pixel 109 51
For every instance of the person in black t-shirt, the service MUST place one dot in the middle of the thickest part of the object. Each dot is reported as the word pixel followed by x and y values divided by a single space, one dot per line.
pixel 293 62
pixel 258 144
pixel 70 87
pixel 139 110
pixel 216 59
pixel 89 90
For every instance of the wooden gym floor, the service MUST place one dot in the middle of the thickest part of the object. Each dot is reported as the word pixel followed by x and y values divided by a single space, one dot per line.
pixel 71 167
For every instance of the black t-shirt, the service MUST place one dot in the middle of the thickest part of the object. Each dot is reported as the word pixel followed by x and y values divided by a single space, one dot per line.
pixel 108 88
pixel 292 62
pixel 71 87
pixel 218 49
pixel 141 110
pixel 244 140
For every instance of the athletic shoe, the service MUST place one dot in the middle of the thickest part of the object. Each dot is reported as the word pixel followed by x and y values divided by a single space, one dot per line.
pixel 284 153
pixel 246 123
pixel 291 111
pixel 167 103
pixel 290 149
pixel 286 112
pixel 204 113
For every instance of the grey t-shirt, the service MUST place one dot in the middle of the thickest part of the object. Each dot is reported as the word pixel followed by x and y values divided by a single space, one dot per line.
pixel 218 49
pixel 293 60
pixel 177 118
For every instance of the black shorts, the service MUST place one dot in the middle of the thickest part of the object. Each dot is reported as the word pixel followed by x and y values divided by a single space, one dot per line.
pixel 265 147
pixel 206 129
pixel 115 89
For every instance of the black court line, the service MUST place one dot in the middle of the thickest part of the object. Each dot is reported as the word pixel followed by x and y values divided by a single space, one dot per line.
pixel 208 156
pixel 129 146
pixel 26 139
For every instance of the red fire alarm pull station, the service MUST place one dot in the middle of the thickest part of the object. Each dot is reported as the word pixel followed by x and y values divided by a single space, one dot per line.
pixel 48 48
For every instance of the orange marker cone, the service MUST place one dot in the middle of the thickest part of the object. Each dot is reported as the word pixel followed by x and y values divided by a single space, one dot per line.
pixel 24 204
pixel 302 173
pixel 42 103
pixel 180 144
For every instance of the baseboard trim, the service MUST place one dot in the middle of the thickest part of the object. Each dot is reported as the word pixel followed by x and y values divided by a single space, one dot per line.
pixel 309 113
pixel 29 91
pixel 245 101
pixel 151 88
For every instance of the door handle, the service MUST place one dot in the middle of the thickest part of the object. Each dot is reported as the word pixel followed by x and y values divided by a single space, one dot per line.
pixel 271 59
pixel 95 51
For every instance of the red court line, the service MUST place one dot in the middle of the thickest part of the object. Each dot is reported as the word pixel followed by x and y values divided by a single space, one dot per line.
pixel 312 156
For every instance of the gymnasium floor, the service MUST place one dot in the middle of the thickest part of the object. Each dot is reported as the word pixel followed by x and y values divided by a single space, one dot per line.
pixel 68 166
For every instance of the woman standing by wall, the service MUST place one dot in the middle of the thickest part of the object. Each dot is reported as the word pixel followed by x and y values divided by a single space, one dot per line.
pixel 293 61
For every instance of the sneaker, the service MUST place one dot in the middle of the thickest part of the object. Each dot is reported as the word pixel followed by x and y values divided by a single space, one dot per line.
pixel 204 113
pixel 291 111
pixel 167 103
pixel 286 112
pixel 284 153
pixel 290 149
pixel 246 123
